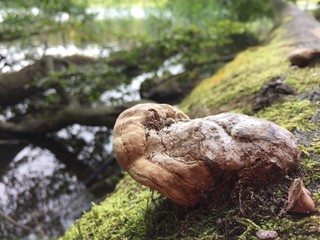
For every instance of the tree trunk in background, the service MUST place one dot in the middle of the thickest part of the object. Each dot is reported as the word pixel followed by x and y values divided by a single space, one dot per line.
pixel 302 29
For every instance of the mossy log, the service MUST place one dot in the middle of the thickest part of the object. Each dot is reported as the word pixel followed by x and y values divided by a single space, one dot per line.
pixel 135 212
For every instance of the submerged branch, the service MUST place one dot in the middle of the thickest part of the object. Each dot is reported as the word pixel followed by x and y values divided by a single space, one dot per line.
pixel 15 223
pixel 68 158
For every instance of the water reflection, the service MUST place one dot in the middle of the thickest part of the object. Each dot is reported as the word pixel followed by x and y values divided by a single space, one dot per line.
pixel 116 13
pixel 130 92
pixel 14 58
pixel 45 184
pixel 35 186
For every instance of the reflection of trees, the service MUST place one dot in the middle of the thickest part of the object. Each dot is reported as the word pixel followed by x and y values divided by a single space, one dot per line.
pixel 68 158
pixel 90 162
pixel 8 152
pixel 81 158
pixel 41 200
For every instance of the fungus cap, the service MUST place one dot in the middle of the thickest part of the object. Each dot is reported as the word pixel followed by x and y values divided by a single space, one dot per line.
pixel 184 159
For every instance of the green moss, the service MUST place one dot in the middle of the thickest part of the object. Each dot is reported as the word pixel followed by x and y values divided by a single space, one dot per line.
pixel 303 79
pixel 296 227
pixel 119 217
pixel 241 78
pixel 292 115
pixel 312 170
pixel 311 163
pixel 315 146
pixel 234 86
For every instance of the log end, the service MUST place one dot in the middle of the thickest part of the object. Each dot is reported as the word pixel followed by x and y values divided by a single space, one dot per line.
pixel 303 57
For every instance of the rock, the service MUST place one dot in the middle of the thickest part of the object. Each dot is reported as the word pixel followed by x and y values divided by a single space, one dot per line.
pixel 311 95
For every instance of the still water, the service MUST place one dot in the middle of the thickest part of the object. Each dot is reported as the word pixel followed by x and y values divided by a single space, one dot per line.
pixel 46 184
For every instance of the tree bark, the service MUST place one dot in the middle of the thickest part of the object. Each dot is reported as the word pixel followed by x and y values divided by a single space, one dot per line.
pixel 302 29
pixel 17 86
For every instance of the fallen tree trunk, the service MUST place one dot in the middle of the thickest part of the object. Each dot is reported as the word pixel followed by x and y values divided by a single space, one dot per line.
pixel 129 211
pixel 26 83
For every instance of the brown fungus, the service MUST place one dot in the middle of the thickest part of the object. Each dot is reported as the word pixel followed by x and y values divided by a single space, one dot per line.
pixel 299 198
pixel 183 159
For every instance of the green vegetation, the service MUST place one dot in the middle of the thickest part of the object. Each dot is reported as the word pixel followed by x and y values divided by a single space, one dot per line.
pixel 119 218
pixel 237 80
pixel 127 3
pixel 60 20
pixel 292 115
pixel 22 19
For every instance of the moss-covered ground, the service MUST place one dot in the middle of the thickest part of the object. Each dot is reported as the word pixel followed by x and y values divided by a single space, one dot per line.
pixel 135 212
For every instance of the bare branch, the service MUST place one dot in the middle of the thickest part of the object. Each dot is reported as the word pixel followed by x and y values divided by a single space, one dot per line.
pixel 15 223
pixel 65 116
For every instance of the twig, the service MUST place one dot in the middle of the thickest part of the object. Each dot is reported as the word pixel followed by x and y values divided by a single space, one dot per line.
pixel 15 223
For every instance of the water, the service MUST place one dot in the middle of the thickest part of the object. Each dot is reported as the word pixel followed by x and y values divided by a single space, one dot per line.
pixel 17 58
pixel 130 92
pixel 35 186
pixel 42 184
pixel 45 186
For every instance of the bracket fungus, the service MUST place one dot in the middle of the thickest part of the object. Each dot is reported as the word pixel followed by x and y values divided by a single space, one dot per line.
pixel 186 159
